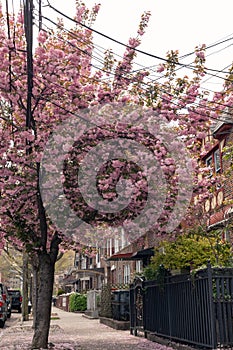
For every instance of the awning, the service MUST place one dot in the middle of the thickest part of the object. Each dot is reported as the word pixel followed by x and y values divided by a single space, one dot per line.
pixel 141 254
pixel 220 218
pixel 120 256
pixel 228 213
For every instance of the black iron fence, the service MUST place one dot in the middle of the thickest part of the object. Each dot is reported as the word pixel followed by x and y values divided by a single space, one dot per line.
pixel 196 310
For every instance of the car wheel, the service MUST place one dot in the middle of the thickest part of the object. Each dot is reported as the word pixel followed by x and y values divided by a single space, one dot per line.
pixel 2 323
pixel 19 310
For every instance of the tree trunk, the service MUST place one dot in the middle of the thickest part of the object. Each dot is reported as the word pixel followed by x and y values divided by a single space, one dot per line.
pixel 34 292
pixel 43 301
pixel 25 287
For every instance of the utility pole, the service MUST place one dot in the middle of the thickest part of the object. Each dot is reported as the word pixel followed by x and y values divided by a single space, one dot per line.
pixel 28 25
pixel 40 15
pixel 25 315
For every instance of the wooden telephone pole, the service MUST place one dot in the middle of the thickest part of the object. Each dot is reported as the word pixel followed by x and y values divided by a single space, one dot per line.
pixel 28 25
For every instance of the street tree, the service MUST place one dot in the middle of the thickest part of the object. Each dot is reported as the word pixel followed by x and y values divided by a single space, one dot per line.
pixel 56 108
pixel 62 83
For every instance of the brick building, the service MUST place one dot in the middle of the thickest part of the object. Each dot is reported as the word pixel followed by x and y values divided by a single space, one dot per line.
pixel 218 209
pixel 220 206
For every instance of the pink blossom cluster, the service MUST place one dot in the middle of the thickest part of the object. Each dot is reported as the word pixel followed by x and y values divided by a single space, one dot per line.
pixel 64 84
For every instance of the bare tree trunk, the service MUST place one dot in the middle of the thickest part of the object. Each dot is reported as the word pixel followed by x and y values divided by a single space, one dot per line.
pixel 44 292
pixel 44 302
pixel 34 292
pixel 25 287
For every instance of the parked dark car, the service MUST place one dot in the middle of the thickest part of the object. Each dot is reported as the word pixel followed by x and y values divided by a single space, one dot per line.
pixel 6 296
pixel 3 310
pixel 16 296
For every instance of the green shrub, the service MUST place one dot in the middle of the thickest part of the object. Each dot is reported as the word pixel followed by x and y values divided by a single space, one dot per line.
pixel 78 302
pixel 189 252
pixel 156 273
pixel 60 292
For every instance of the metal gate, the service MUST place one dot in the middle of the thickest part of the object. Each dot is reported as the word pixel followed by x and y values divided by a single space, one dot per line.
pixel 136 306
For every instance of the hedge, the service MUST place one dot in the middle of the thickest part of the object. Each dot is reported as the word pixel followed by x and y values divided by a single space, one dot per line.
pixel 78 302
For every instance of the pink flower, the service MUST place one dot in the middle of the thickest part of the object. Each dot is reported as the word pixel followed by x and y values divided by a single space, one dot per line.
pixel 160 68
pixel 42 37
pixel 200 54
pixel 133 42
pixel 96 8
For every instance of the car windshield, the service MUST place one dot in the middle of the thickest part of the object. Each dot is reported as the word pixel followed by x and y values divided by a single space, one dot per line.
pixel 14 292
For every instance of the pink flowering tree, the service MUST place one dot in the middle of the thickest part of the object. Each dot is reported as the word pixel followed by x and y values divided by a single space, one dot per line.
pixel 63 84
pixel 103 151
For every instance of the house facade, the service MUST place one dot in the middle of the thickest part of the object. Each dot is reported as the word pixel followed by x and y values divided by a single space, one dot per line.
pixel 220 207
pixel 91 270
pixel 87 273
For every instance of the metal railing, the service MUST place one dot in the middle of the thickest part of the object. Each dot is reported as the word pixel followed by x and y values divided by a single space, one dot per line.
pixel 196 310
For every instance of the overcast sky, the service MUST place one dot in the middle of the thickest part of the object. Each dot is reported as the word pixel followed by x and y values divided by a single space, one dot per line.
pixel 180 24
pixel 177 25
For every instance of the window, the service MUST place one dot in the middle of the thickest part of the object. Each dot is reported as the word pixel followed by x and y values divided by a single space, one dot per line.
pixel 91 263
pixel 126 274
pixel 98 257
pixel 214 162
pixel 139 267
pixel 116 245
pixel 217 161
pixel 84 263
pixel 209 164
pixel 77 259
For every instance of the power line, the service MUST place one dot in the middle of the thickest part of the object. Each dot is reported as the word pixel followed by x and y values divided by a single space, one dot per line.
pixel 219 42
pixel 29 41
pixel 181 65
pixel 112 73
pixel 228 66
pixel 161 90
pixel 189 109
pixel 162 97
pixel 78 48
pixel 211 75
pixel 125 45
pixel 99 48
pixel 103 70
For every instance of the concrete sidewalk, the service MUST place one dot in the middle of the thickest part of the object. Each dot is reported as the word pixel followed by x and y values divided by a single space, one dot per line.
pixel 73 331
pixel 91 334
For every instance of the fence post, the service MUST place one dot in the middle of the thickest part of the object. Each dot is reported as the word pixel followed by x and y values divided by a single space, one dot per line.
pixel 169 310
pixel 211 306
pixel 144 316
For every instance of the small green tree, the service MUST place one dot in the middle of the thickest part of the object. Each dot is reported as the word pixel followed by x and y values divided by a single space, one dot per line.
pixel 190 251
